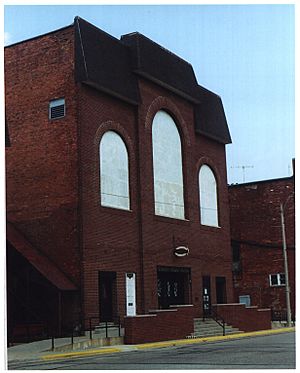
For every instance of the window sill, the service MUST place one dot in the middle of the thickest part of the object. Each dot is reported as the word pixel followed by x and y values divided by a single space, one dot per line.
pixel 210 227
pixel 168 219
pixel 115 210
pixel 277 286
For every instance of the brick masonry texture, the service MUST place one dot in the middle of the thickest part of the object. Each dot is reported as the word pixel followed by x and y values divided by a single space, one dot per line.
pixel 42 162
pixel 160 325
pixel 247 319
pixel 113 239
pixel 256 227
pixel 52 176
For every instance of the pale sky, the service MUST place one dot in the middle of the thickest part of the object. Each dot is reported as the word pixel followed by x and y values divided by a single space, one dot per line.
pixel 244 53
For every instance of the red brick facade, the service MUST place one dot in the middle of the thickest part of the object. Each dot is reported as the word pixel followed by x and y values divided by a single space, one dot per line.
pixel 257 235
pixel 52 175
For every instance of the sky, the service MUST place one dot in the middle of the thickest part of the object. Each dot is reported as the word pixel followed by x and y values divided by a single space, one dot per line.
pixel 244 53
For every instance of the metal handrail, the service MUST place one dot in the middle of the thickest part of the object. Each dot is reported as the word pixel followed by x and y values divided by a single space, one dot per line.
pixel 90 329
pixel 75 329
pixel 217 318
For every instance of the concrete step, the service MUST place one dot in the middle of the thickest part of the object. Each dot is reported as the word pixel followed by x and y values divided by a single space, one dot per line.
pixel 210 327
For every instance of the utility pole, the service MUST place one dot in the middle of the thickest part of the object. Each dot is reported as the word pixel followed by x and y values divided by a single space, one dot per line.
pixel 286 268
pixel 243 167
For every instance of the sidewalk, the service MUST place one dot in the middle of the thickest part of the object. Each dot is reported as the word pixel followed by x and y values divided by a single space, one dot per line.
pixel 41 350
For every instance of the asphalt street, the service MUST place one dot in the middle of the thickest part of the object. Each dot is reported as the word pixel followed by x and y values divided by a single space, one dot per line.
pixel 261 352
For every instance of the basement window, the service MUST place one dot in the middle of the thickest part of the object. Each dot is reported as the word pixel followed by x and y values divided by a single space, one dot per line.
pixel 277 279
pixel 57 109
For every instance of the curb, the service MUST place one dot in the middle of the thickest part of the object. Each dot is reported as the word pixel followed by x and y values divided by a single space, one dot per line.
pixel 179 342
pixel 81 353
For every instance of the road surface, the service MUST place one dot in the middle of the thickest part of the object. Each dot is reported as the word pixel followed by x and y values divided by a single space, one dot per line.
pixel 275 351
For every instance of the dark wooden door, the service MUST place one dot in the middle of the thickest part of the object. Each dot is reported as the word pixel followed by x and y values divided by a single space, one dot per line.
pixel 221 290
pixel 106 295
pixel 170 289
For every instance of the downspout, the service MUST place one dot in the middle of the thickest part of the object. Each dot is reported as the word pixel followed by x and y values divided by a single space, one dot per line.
pixel 140 210
pixel 79 177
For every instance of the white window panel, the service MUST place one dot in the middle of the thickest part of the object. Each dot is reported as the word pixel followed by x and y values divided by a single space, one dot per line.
pixel 208 197
pixel 114 173
pixel 167 167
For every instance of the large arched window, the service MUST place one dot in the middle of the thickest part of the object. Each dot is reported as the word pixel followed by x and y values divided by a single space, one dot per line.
pixel 208 197
pixel 167 167
pixel 114 174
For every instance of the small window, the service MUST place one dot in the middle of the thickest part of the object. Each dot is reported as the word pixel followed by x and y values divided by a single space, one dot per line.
pixel 277 279
pixel 208 195
pixel 57 109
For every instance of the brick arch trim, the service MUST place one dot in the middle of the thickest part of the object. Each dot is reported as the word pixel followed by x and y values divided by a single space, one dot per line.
pixel 205 160
pixel 116 127
pixel 164 103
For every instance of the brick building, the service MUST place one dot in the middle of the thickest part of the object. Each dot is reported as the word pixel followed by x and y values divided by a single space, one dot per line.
pixel 117 199
pixel 258 264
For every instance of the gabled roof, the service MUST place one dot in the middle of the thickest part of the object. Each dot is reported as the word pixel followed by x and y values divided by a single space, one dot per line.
pixel 113 66
pixel 44 265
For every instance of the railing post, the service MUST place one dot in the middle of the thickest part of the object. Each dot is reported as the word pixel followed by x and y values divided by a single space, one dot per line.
pixel 27 333
pixel 91 334
pixel 119 327
pixel 52 342
pixel 72 337
pixel 106 331
pixel 223 327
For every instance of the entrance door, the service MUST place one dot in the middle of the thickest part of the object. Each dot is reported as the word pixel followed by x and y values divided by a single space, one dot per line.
pixel 206 295
pixel 221 290
pixel 107 283
pixel 172 286
pixel 130 294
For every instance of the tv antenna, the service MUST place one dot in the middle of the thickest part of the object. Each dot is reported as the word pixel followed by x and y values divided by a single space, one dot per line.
pixel 243 168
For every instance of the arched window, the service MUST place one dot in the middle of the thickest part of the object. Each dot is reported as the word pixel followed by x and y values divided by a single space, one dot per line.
pixel 114 174
pixel 208 197
pixel 167 167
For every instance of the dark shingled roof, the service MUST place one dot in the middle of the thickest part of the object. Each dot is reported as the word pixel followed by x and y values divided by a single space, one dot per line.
pixel 162 66
pixel 113 66
pixel 210 117
pixel 104 62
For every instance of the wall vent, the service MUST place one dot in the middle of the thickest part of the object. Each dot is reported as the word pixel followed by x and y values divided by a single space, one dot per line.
pixel 57 109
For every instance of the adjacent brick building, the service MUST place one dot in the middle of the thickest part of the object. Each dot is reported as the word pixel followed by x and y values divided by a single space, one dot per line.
pixel 117 199
pixel 258 265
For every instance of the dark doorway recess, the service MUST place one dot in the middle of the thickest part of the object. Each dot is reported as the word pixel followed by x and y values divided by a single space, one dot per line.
pixel 206 295
pixel 173 285
pixel 221 290
pixel 35 307
pixel 107 295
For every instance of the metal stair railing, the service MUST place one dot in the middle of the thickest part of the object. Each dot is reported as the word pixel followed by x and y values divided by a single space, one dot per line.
pixel 212 314
pixel 75 330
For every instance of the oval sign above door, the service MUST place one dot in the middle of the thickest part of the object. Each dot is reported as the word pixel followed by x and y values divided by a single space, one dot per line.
pixel 181 251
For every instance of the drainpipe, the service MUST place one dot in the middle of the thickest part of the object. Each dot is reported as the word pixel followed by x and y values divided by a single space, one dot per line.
pixel 286 270
pixel 139 209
